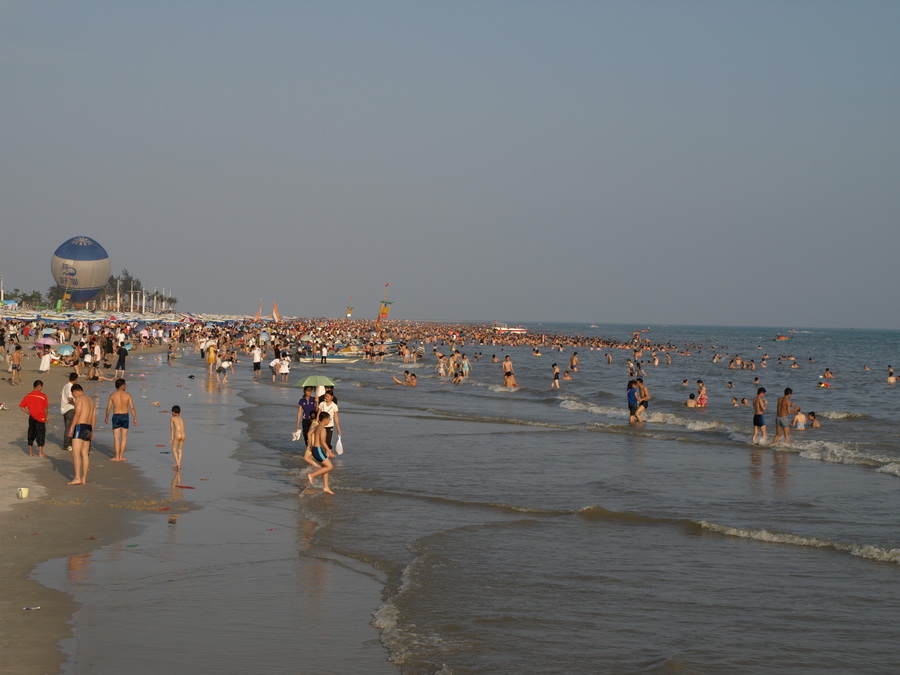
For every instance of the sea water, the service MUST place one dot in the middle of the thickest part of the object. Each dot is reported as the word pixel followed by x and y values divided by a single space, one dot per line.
pixel 537 531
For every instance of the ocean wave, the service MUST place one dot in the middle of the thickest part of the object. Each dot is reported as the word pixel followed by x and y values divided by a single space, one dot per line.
pixel 843 453
pixel 867 551
pixel 672 419
pixel 839 415
pixel 595 512
pixel 594 409
pixel 509 508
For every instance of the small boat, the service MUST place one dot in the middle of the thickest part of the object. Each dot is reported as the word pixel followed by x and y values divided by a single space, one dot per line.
pixel 349 354
pixel 503 329
pixel 780 338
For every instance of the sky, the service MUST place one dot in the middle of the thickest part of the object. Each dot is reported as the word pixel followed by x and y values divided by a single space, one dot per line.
pixel 647 162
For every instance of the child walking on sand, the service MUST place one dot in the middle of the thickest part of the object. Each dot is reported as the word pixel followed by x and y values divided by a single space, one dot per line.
pixel 177 427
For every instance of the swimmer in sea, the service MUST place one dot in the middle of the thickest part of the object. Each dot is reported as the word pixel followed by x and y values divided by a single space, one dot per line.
pixel 813 420
pixel 406 379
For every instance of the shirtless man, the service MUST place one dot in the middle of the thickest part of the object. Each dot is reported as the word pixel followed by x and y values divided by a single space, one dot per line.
pixel 760 405
pixel 16 364
pixel 643 397
pixel 81 432
pixel 573 362
pixel 507 369
pixel 783 414
pixel 407 379
pixel 321 452
pixel 120 403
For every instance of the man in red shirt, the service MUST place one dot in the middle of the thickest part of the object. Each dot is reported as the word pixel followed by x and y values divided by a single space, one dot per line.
pixel 35 404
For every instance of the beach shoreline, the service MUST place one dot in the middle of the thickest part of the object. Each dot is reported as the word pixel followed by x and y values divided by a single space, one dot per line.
pixel 56 520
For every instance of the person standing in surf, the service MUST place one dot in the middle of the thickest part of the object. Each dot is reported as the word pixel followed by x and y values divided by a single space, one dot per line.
pixel 631 395
pixel 783 414
pixel 760 404
pixel 320 452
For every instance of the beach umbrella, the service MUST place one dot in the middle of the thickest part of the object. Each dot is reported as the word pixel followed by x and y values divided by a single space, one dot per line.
pixel 128 346
pixel 46 341
pixel 48 331
pixel 65 350
pixel 315 381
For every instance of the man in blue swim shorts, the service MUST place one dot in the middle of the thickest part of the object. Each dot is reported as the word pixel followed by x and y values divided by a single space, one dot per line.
pixel 81 432
pixel 120 404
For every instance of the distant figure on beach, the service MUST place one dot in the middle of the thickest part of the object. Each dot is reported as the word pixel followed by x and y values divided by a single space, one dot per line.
pixel 82 431
pixel 274 365
pixel 35 405
pixel 320 452
pixel 176 428
pixel 782 417
pixel 555 383
pixel 306 408
pixel 256 355
pixel 67 409
pixel 16 365
pixel 122 353
pixel 120 404
pixel 333 421
pixel 760 405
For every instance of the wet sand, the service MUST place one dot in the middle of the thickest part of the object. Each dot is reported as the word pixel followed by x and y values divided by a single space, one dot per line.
pixel 72 539
pixel 55 520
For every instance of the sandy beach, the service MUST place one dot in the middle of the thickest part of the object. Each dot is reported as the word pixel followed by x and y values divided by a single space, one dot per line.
pixel 55 520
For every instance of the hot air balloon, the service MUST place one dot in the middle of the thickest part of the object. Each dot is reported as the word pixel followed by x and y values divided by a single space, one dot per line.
pixel 80 268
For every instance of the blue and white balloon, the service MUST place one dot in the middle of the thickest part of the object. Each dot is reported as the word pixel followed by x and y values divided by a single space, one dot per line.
pixel 80 268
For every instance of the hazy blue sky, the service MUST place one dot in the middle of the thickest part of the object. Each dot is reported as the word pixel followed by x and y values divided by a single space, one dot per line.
pixel 709 162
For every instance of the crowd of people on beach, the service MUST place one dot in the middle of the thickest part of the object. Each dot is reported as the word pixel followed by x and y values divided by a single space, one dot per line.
pixel 92 347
